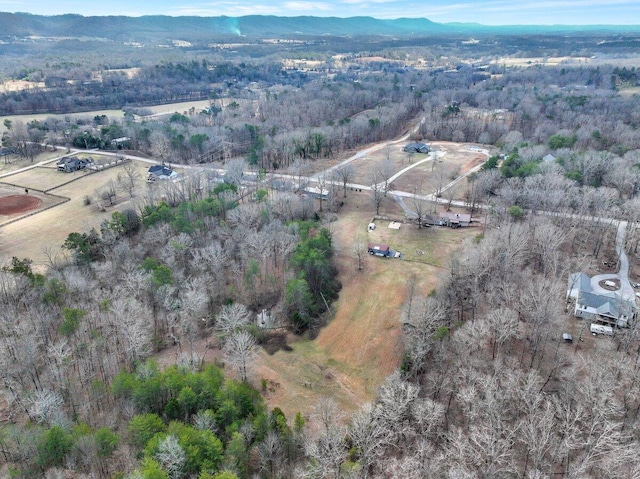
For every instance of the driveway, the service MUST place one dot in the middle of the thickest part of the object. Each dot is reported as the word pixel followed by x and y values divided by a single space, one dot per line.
pixel 626 290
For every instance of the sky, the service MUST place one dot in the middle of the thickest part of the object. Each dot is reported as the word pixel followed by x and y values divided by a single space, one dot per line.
pixel 487 12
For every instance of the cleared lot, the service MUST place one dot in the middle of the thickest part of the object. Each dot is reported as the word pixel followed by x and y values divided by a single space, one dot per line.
pixel 43 233
pixel 360 346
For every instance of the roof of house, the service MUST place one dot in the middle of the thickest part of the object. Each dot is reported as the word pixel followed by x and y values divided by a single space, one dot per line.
pixel 609 304
pixel 378 247
pixel 578 282
pixel 74 161
pixel 160 170
pixel 548 158
pixel 456 217
pixel 418 147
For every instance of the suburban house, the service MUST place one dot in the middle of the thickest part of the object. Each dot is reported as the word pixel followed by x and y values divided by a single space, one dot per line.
pixel 160 172
pixel 416 148
pixel 606 307
pixel 73 163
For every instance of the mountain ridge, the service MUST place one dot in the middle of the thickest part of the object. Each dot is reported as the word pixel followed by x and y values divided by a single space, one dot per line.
pixel 196 28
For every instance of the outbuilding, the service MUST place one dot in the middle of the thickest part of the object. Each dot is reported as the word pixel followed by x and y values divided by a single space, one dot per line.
pixel 379 249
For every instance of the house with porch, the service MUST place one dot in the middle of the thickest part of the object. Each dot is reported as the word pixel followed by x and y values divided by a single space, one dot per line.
pixel 599 304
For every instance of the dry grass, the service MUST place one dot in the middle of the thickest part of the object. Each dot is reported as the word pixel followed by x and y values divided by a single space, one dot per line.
pixel 630 91
pixel 44 178
pixel 453 159
pixel 15 162
pixel 361 345
pixel 33 236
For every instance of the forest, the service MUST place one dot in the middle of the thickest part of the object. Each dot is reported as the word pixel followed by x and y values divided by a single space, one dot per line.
pixel 485 387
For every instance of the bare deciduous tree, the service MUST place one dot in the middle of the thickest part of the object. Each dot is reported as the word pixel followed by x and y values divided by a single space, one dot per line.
pixel 231 318
pixel 379 192
pixel 240 352
pixel 171 456
pixel 129 179
pixel 345 174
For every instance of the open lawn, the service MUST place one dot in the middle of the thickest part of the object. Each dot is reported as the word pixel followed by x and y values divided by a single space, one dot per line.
pixel 157 110
pixel 31 237
pixel 44 177
pixel 14 162
pixel 431 172
pixel 360 346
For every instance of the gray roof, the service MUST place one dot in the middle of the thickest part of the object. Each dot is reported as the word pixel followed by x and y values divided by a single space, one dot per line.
pixel 579 282
pixel 416 147
pixel 606 306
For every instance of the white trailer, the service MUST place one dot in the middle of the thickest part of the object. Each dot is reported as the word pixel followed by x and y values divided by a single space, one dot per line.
pixel 601 329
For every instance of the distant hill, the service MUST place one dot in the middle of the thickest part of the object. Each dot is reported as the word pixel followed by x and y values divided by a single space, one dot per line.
pixel 196 29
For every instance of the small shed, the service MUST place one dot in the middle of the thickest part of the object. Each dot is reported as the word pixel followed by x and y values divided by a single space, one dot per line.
pixel 379 249
pixel 567 338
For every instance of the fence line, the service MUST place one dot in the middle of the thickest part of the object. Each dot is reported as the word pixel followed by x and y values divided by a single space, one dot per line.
pixel 64 200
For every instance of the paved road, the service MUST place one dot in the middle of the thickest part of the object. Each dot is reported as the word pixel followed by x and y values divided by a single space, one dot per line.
pixel 626 290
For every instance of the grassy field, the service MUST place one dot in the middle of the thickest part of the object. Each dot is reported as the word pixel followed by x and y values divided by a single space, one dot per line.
pixel 451 160
pixel 158 109
pixel 360 346
pixel 45 231
pixel 15 163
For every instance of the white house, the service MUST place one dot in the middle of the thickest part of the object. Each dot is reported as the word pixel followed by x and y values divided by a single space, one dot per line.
pixel 160 172
pixel 607 307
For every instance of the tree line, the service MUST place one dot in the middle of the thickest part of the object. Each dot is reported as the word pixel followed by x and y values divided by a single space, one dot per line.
pixel 74 361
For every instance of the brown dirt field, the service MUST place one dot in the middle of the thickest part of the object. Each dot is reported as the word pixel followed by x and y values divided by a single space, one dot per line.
pixel 16 204
pixel 43 199
pixel 360 346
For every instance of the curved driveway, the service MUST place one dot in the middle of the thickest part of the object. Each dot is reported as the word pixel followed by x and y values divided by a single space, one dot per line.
pixel 626 290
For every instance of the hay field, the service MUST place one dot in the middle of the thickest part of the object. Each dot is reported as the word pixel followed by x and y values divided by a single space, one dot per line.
pixel 33 236
pixel 360 346
pixel 15 163
pixel 451 160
